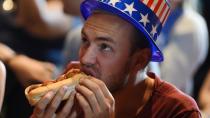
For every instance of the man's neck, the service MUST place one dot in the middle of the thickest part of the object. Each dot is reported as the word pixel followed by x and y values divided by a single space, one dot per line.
pixel 130 99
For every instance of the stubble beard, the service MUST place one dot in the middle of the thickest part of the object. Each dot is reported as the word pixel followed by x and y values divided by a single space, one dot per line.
pixel 117 84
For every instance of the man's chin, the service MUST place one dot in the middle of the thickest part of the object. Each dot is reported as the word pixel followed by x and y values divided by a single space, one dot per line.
pixel 115 90
pixel 120 86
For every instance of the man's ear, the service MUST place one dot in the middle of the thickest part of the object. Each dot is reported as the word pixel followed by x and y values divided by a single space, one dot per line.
pixel 140 59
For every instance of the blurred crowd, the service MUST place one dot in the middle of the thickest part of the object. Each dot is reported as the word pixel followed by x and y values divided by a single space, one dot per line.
pixel 39 37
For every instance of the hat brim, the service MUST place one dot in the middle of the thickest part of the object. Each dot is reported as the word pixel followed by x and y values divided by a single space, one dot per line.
pixel 89 6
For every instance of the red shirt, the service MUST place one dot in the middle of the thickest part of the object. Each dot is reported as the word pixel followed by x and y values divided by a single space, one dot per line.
pixel 168 102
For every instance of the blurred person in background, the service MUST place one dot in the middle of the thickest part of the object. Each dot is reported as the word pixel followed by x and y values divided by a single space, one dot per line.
pixel 31 41
pixel 203 70
pixel 202 77
pixel 184 44
pixel 73 39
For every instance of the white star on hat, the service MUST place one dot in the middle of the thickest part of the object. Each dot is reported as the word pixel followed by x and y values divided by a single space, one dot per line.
pixel 154 30
pixel 129 8
pixel 144 19
pixel 113 2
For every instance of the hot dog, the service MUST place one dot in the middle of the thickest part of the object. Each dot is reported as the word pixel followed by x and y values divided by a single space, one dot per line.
pixel 35 92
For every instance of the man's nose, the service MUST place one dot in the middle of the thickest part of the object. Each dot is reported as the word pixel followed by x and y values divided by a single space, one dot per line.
pixel 89 57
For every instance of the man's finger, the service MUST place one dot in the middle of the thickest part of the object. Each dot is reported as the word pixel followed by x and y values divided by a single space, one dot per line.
pixel 42 104
pixel 73 114
pixel 55 102
pixel 90 96
pixel 84 104
pixel 103 87
pixel 68 106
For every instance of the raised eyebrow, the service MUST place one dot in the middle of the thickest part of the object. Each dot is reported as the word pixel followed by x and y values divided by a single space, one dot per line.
pixel 101 38
pixel 106 39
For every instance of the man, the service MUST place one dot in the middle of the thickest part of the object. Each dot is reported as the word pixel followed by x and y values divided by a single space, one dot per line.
pixel 115 50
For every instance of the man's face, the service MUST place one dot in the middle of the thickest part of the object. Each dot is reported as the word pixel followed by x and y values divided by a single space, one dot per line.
pixel 105 51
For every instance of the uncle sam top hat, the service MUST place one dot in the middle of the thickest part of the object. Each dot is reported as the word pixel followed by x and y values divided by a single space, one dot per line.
pixel 148 16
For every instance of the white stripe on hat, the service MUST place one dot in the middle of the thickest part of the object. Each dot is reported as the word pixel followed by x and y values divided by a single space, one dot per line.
pixel 157 6
pixel 160 8
pixel 154 4
pixel 165 19
pixel 164 14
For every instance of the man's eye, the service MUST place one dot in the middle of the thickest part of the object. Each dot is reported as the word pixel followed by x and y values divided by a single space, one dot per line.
pixel 105 47
pixel 85 42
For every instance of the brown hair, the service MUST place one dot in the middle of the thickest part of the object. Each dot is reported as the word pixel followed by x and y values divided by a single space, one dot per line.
pixel 138 41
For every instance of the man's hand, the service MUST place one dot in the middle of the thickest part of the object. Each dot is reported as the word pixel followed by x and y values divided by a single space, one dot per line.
pixel 95 99
pixel 92 95
pixel 49 104
pixel 29 70
pixel 96 104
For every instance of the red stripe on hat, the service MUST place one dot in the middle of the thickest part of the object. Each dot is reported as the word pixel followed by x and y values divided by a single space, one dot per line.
pixel 164 8
pixel 149 4
pixel 158 6
pixel 167 14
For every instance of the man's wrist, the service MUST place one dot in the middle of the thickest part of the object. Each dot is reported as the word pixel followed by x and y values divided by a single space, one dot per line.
pixel 6 53
pixel 9 58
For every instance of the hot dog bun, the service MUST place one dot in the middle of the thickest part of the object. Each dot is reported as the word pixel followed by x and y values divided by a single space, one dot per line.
pixel 35 92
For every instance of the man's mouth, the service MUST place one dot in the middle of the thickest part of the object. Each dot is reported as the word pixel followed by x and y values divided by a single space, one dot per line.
pixel 88 71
